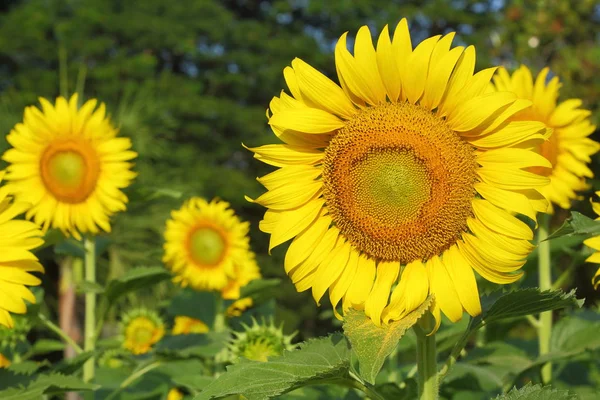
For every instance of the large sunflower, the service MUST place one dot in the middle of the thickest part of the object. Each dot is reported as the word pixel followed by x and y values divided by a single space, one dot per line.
pixel 69 164
pixel 17 239
pixel 207 247
pixel 569 148
pixel 594 243
pixel 401 181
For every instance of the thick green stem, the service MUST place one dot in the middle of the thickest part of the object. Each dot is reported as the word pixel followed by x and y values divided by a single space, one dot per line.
pixel 426 359
pixel 89 245
pixel 545 283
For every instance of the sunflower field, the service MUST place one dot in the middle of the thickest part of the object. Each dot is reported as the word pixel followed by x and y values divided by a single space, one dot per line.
pixel 299 199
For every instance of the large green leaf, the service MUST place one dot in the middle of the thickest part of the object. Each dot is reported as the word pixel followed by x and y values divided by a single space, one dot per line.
pixel 134 279
pixel 372 344
pixel 538 392
pixel 579 225
pixel 199 305
pixel 315 361
pixel 573 334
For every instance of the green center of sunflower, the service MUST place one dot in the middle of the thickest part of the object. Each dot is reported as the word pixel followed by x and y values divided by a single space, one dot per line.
pixel 142 335
pixel 67 168
pixel 260 350
pixel 207 246
pixel 70 170
pixel 391 183
pixel 398 182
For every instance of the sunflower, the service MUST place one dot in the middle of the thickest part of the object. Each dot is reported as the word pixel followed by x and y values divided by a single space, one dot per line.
pixel 4 362
pixel 402 180
pixel 69 164
pixel 207 247
pixel 141 329
pixel 237 308
pixel 569 149
pixel 185 325
pixel 259 341
pixel 594 243
pixel 17 239
pixel 175 394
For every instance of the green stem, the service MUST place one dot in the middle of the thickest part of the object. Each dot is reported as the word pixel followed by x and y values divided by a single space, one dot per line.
pixel 219 324
pixel 426 359
pixel 62 334
pixel 545 282
pixel 365 388
pixel 89 245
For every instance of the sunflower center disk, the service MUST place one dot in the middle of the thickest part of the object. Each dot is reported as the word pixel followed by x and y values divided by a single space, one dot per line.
pixel 206 246
pixel 142 335
pixel 70 171
pixel 399 183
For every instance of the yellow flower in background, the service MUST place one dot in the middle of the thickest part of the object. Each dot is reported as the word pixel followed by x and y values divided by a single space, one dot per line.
pixel 4 362
pixel 69 164
pixel 185 325
pixel 238 307
pixel 569 148
pixel 141 329
pixel 174 394
pixel 17 239
pixel 401 181
pixel 207 247
pixel 594 243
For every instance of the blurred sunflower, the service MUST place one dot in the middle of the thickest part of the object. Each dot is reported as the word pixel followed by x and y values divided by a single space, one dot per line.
pixel 185 325
pixel 4 362
pixel 207 247
pixel 69 164
pixel 17 239
pixel 237 308
pixel 569 148
pixel 141 329
pixel 175 394
pixel 403 180
pixel 594 243
pixel 259 342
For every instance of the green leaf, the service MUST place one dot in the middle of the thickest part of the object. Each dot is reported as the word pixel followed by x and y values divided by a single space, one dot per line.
pixel 51 384
pixel 186 303
pixel 575 335
pixel 134 279
pixel 43 346
pixel 193 345
pixel 89 287
pixel 519 303
pixel 373 344
pixel 538 392
pixel 523 302
pixel 317 360
pixel 72 365
pixel 258 285
pixel 578 224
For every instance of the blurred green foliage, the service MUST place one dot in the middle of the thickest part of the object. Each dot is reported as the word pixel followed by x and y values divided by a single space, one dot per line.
pixel 189 81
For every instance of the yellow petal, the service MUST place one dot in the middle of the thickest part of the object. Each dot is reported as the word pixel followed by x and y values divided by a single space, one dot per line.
pixel 339 288
pixel 308 120
pixel 401 49
pixel 463 278
pixel 330 269
pixel 322 91
pixel 500 221
pixel 517 158
pixel 509 200
pixel 386 62
pixel 280 155
pixel 411 292
pixel 365 57
pixel 387 272
pixel 462 73
pixel 478 110
pixel 306 241
pixel 292 82
pixel 437 80
pixel 444 291
pixel 361 285
pixel 292 222
pixel 293 195
pixel 512 179
pixel 289 173
pixel 418 65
